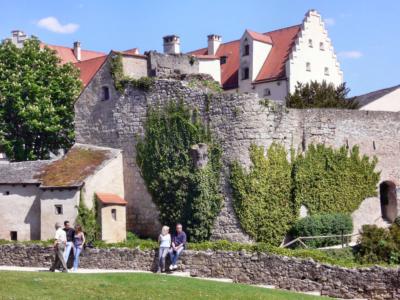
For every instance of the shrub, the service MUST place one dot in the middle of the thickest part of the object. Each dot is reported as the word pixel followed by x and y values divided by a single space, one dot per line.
pixel 181 192
pixel 87 218
pixel 320 95
pixel 323 224
pixel 262 196
pixel 328 180
pixel 377 245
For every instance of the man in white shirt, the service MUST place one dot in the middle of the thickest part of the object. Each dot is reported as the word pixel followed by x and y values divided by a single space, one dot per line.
pixel 59 247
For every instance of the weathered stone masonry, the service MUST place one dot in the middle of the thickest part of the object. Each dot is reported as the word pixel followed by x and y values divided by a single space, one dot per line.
pixel 236 121
pixel 282 272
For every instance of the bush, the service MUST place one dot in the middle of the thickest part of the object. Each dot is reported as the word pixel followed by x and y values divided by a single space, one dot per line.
pixel 320 95
pixel 323 224
pixel 328 180
pixel 262 196
pixel 87 218
pixel 379 245
pixel 182 192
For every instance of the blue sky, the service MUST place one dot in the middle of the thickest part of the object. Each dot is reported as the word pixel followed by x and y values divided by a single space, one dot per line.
pixel 365 34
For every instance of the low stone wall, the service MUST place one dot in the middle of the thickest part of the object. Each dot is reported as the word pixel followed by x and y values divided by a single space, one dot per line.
pixel 283 272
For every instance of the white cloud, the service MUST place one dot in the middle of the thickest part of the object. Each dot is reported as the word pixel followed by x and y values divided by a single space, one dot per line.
pixel 351 54
pixel 330 21
pixel 52 24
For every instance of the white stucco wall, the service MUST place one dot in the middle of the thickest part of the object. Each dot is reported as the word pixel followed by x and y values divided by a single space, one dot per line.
pixel 259 52
pixel 314 29
pixel 278 91
pixel 108 179
pixel 68 198
pixel 113 231
pixel 211 67
pixel 20 212
pixel 389 102
pixel 134 67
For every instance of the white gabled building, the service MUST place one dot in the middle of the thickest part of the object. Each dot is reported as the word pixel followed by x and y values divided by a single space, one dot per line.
pixel 272 63
pixel 387 99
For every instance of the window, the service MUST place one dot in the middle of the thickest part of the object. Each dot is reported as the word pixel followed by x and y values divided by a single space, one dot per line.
pixel 321 46
pixel 308 67
pixel 58 209
pixel 267 92
pixel 245 73
pixel 14 235
pixel 310 44
pixel 246 50
pixel 326 71
pixel 105 93
pixel 114 214
pixel 6 193
pixel 223 60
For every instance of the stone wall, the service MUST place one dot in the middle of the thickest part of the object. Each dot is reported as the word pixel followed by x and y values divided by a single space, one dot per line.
pixel 162 65
pixel 267 269
pixel 236 120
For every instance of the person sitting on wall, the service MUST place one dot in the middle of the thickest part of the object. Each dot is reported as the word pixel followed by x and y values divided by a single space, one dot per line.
pixel 70 232
pixel 178 245
pixel 59 247
pixel 165 244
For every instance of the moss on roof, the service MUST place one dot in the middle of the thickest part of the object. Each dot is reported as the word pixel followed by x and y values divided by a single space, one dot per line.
pixel 73 168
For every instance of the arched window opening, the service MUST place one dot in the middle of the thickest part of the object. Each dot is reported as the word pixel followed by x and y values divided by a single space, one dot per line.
pixel 388 197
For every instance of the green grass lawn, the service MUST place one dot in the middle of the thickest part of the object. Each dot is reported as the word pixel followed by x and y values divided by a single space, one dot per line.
pixel 29 285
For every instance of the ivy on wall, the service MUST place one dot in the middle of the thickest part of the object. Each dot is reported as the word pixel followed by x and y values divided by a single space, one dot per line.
pixel 262 196
pixel 182 193
pixel 121 81
pixel 87 218
pixel 267 198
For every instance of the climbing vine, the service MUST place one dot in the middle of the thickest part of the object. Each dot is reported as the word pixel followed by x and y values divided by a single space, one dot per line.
pixel 182 192
pixel 121 81
pixel 267 198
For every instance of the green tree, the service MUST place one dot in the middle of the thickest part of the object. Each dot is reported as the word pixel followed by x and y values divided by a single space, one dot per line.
pixel 37 97
pixel 262 196
pixel 182 193
pixel 320 95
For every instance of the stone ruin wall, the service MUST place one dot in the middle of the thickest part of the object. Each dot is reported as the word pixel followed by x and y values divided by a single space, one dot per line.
pixel 236 120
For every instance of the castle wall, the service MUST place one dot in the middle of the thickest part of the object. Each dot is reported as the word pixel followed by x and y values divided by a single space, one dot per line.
pixel 237 120
pixel 171 64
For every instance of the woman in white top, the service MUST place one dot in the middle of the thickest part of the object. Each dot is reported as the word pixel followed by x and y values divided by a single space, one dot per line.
pixel 165 244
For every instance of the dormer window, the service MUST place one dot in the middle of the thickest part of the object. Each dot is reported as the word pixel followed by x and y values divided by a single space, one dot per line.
pixel 326 71
pixel 321 46
pixel 246 49
pixel 105 93
pixel 245 73
pixel 310 44
pixel 223 60
pixel 267 92
pixel 308 67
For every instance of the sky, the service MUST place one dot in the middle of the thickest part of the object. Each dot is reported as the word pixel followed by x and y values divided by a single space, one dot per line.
pixel 365 34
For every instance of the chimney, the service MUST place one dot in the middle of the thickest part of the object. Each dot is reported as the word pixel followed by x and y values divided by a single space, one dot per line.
pixel 172 44
pixel 77 50
pixel 18 37
pixel 214 41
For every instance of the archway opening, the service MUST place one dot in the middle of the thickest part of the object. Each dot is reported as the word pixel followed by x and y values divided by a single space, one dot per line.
pixel 388 196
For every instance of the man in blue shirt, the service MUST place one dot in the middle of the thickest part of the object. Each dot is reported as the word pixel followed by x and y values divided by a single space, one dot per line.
pixel 178 245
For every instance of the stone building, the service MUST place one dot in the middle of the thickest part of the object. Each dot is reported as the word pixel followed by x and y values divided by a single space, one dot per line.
pixel 34 195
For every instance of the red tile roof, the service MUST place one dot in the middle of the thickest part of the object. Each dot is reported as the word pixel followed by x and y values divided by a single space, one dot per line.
pixel 108 198
pixel 274 66
pixel 88 68
pixel 66 54
pixel 259 37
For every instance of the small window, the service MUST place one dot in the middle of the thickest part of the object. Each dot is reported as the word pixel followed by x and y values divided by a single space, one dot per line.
pixel 267 92
pixel 326 71
pixel 310 43
pixel 246 50
pixel 58 209
pixel 308 67
pixel 114 214
pixel 223 60
pixel 245 73
pixel 105 93
pixel 321 46
pixel 6 193
pixel 14 235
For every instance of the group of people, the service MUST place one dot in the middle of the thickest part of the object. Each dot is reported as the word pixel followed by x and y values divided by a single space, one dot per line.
pixel 174 246
pixel 67 239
